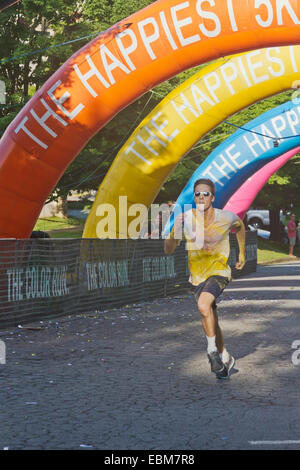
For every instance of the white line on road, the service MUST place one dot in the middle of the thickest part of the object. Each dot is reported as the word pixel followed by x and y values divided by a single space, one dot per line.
pixel 266 288
pixel 273 442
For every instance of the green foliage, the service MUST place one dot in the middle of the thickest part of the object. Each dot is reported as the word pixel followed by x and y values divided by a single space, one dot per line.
pixel 269 251
pixel 32 25
pixel 282 190
pixel 55 223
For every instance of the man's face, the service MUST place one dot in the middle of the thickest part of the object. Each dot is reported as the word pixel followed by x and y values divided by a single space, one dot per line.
pixel 204 200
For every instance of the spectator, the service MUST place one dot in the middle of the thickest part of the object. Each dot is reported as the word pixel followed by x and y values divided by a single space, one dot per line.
pixel 292 234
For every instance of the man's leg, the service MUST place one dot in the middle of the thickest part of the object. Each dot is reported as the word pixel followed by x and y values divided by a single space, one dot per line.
pixel 292 243
pixel 208 309
pixel 205 303
pixel 219 334
pixel 217 353
pixel 211 329
pixel 227 359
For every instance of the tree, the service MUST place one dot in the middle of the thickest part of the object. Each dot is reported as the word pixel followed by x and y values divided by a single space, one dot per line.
pixel 34 25
pixel 281 192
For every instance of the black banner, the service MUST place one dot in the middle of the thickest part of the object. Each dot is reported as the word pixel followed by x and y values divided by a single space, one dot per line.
pixel 44 278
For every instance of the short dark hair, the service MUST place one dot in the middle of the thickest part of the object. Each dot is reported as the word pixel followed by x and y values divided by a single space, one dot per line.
pixel 209 183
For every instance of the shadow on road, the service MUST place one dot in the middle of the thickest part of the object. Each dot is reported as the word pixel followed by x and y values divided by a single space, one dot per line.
pixel 137 377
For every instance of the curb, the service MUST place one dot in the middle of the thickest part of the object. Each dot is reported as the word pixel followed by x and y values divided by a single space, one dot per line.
pixel 279 260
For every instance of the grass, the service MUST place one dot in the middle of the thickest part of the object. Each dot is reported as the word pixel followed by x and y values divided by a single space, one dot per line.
pixel 56 223
pixel 60 228
pixel 268 251
pixel 66 234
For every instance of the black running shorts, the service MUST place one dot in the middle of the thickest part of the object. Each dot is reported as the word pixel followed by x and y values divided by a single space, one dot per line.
pixel 213 284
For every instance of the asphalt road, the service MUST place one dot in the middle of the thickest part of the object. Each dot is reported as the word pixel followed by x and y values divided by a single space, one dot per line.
pixel 137 377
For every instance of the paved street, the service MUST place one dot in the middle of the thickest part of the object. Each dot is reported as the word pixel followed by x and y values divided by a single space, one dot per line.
pixel 137 377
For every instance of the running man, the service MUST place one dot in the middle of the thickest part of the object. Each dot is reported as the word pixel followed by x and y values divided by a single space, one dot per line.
pixel 208 266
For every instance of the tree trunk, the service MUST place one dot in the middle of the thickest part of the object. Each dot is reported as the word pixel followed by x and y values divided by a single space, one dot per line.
pixel 26 78
pixel 62 207
pixel 275 225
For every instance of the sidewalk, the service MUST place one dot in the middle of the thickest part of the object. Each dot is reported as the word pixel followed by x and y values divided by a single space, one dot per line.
pixel 137 377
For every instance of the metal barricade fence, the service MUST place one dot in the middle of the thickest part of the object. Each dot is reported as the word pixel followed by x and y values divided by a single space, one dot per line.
pixel 47 278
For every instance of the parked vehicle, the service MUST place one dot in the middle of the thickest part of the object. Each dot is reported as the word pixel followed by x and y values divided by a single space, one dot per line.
pixel 266 234
pixel 260 218
pixel 260 233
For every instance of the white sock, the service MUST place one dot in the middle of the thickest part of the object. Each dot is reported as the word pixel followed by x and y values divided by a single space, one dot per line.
pixel 225 355
pixel 211 344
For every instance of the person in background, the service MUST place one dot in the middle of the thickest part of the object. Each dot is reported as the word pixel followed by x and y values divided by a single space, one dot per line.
pixel 292 234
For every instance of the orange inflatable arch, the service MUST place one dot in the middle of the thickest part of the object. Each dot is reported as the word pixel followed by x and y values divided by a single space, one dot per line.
pixel 113 70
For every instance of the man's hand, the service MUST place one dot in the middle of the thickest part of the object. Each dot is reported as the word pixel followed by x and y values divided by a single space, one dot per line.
pixel 241 262
pixel 241 239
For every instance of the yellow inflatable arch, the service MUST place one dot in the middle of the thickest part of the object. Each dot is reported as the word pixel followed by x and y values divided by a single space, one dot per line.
pixel 179 122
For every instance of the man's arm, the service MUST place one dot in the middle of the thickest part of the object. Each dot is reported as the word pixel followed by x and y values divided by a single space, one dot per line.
pixel 171 243
pixel 241 239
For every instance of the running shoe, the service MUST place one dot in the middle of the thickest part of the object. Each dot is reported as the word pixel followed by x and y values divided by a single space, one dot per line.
pixel 230 363
pixel 217 366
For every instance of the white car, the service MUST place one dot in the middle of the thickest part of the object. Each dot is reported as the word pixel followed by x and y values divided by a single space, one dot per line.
pixel 259 218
